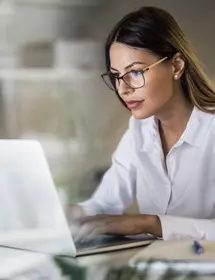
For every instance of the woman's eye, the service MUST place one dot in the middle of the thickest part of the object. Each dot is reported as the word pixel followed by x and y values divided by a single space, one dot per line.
pixel 137 72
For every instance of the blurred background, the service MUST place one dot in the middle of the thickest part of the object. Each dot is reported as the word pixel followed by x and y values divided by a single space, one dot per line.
pixel 51 58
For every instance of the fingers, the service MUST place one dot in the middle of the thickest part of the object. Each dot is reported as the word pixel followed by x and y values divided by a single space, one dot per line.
pixel 90 227
pixel 122 225
pixel 82 233
pixel 97 231
pixel 74 212
pixel 89 230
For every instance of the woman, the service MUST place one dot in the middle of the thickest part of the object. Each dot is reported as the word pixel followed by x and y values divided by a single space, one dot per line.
pixel 166 159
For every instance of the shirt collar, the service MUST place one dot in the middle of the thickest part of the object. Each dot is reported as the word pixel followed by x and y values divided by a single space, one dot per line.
pixel 197 128
pixel 147 132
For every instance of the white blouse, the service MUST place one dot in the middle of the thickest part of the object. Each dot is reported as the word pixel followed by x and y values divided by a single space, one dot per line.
pixel 181 192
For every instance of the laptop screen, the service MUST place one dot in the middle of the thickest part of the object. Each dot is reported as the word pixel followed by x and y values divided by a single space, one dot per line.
pixel 29 203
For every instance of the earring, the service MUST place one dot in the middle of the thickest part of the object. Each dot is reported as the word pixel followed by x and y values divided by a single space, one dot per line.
pixel 175 76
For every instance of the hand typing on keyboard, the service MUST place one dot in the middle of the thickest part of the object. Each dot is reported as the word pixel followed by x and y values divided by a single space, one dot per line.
pixel 122 225
pixel 74 214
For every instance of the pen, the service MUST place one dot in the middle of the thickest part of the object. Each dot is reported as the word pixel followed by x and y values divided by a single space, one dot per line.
pixel 197 247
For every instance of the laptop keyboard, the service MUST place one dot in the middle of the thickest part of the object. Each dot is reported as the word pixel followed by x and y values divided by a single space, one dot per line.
pixel 98 241
pixel 101 241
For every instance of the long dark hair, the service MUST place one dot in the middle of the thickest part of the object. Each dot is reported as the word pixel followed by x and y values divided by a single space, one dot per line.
pixel 156 31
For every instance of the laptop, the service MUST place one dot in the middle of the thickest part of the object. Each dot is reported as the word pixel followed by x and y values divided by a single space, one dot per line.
pixel 31 214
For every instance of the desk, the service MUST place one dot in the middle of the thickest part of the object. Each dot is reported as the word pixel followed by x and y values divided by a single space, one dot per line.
pixel 97 266
pixel 114 266
pixel 33 266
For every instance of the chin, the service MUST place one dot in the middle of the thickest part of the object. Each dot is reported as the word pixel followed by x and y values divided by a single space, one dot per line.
pixel 140 115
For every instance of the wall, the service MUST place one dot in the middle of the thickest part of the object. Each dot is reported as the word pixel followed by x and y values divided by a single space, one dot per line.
pixel 196 17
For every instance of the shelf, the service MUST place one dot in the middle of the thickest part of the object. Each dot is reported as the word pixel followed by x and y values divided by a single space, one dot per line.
pixel 47 74
pixel 59 2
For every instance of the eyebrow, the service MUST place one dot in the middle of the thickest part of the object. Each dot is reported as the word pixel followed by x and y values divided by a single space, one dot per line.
pixel 130 65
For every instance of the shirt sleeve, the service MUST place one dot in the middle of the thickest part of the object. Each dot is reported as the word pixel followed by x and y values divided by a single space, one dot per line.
pixel 117 189
pixel 187 228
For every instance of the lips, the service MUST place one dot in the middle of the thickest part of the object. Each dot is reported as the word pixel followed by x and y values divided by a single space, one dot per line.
pixel 133 104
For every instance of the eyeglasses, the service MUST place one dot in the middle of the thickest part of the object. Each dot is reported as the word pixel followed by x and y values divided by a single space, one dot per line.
pixel 134 78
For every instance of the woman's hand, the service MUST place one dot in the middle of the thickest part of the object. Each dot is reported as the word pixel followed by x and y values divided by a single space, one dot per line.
pixel 74 213
pixel 121 225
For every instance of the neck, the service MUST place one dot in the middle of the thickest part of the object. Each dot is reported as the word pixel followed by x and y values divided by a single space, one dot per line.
pixel 174 118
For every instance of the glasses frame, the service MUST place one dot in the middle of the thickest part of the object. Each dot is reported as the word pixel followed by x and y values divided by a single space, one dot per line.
pixel 122 77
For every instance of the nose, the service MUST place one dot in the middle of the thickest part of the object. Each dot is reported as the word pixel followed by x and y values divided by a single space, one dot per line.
pixel 123 88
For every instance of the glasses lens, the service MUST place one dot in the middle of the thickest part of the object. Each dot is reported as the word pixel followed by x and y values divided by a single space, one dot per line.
pixel 134 79
pixel 110 81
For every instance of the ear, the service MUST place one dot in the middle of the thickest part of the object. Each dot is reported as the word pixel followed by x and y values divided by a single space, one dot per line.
pixel 178 65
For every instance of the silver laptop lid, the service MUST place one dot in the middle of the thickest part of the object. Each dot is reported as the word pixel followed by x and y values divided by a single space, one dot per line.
pixel 30 210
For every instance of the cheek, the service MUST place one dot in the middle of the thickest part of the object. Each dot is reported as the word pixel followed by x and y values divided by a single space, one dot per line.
pixel 157 92
pixel 158 88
